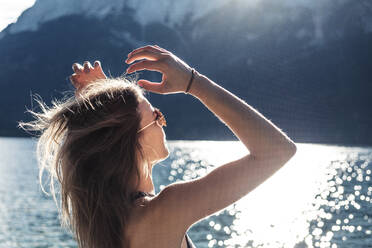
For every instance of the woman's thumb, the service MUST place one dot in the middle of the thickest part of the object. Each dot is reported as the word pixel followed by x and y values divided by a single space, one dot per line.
pixel 150 86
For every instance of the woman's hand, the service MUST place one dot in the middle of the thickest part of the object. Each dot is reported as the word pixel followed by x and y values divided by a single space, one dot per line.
pixel 86 74
pixel 176 73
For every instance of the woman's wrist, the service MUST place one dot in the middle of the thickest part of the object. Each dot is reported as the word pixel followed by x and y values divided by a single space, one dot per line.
pixel 191 80
pixel 198 84
pixel 194 77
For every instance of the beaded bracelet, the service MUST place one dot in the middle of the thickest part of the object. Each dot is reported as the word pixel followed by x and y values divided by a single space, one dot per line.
pixel 191 80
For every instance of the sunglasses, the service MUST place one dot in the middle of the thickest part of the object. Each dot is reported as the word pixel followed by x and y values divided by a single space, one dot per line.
pixel 159 118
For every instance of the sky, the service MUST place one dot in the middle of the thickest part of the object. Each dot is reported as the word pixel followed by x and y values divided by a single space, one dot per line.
pixel 11 9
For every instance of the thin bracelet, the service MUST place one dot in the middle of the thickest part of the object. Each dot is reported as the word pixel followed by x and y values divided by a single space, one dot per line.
pixel 191 80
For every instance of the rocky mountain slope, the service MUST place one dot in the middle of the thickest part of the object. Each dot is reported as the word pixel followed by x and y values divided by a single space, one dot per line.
pixel 305 66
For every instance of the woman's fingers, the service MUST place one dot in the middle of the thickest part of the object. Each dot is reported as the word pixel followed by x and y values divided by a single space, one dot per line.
pixel 77 68
pixel 144 48
pixel 73 79
pixel 97 64
pixel 146 55
pixel 150 86
pixel 146 64
pixel 176 73
pixel 87 66
pixel 160 48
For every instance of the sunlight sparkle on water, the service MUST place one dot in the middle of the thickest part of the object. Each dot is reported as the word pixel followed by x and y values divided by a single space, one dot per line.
pixel 300 204
pixel 321 198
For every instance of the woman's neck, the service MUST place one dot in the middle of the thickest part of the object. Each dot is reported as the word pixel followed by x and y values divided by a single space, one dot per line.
pixel 146 184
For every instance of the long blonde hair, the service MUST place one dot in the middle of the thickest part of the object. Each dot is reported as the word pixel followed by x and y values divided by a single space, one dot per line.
pixel 91 146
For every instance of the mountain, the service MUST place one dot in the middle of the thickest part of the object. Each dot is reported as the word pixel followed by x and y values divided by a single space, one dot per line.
pixel 167 11
pixel 303 65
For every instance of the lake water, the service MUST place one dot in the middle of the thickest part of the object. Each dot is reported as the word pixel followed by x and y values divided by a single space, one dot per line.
pixel 321 198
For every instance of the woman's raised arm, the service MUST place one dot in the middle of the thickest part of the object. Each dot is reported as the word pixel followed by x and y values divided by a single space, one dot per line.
pixel 261 137
pixel 184 203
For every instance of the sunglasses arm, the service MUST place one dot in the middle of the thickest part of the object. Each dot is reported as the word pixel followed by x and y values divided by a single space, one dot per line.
pixel 146 126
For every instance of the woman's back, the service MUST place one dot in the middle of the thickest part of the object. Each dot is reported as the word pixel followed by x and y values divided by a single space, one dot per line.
pixel 145 229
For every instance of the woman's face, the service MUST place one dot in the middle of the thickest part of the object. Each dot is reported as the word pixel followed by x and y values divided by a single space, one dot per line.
pixel 152 138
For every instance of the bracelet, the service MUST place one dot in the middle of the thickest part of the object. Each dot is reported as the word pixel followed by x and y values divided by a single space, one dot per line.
pixel 191 80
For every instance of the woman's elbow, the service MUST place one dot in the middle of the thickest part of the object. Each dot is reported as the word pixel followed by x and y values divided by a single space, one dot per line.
pixel 292 149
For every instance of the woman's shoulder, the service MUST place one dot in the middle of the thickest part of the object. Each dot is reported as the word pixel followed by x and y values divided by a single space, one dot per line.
pixel 140 215
pixel 158 209
pixel 145 216
pixel 145 208
pixel 141 204
pixel 152 208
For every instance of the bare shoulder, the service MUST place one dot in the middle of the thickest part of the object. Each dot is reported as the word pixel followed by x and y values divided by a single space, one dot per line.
pixel 157 211
pixel 141 225
pixel 149 224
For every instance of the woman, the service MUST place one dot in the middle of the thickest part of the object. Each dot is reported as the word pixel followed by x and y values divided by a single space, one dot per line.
pixel 102 144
